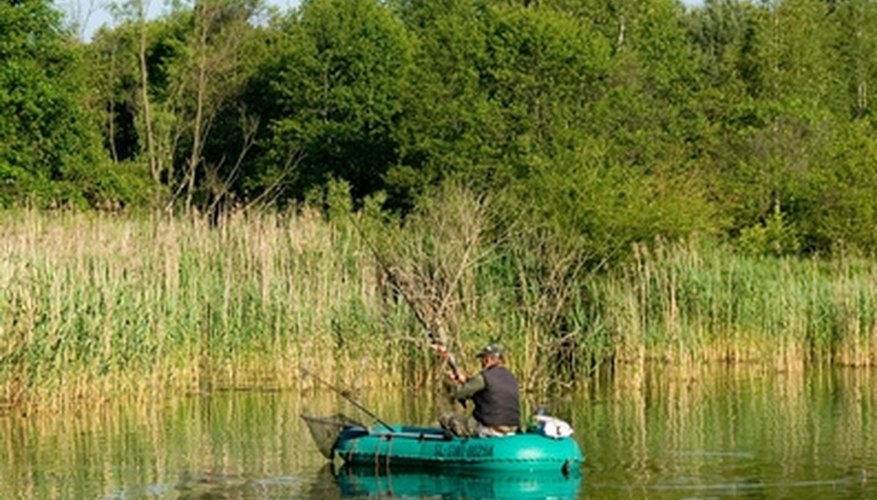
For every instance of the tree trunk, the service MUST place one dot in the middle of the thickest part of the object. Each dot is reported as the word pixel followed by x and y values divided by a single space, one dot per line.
pixel 155 166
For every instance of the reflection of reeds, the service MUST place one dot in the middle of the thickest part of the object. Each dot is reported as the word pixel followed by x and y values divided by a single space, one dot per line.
pixel 726 423
pixel 183 448
pixel 644 429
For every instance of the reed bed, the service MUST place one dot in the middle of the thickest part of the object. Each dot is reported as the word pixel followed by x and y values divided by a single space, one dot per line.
pixel 93 306
pixel 690 303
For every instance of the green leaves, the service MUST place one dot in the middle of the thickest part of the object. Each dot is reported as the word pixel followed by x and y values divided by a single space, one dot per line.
pixel 341 71
pixel 505 88
pixel 49 150
pixel 615 120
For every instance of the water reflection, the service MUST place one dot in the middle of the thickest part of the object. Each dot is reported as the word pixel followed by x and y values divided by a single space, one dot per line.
pixel 414 483
pixel 367 482
pixel 214 487
pixel 648 433
pixel 730 431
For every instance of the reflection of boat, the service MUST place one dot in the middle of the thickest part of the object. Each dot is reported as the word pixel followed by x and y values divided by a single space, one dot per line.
pixel 393 446
pixel 368 481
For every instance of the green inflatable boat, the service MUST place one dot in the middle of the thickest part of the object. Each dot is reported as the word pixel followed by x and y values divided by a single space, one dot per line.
pixel 399 446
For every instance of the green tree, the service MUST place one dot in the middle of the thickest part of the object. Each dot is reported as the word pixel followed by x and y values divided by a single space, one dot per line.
pixel 856 46
pixel 545 72
pixel 114 84
pixel 836 203
pixel 340 75
pixel 791 58
pixel 124 76
pixel 207 73
pixel 170 93
pixel 778 122
pixel 515 86
pixel 650 115
pixel 49 147
pixel 448 114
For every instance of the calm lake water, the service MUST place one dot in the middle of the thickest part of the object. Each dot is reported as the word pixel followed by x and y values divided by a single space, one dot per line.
pixel 657 433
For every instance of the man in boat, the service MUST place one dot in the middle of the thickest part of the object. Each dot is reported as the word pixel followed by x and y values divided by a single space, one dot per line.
pixel 494 390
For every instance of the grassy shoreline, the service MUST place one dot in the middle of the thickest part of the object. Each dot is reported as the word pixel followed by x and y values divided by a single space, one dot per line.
pixel 97 305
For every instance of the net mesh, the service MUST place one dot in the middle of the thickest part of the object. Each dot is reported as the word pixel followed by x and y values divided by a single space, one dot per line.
pixel 325 430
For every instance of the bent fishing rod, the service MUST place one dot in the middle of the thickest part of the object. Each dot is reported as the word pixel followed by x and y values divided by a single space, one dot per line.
pixel 346 396
pixel 435 340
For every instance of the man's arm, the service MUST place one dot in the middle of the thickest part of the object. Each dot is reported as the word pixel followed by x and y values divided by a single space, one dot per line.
pixel 472 385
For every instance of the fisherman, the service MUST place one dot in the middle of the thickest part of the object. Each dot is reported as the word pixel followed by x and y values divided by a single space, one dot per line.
pixel 494 391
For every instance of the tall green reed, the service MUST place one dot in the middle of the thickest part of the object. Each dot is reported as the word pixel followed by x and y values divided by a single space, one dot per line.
pixel 704 302
pixel 96 305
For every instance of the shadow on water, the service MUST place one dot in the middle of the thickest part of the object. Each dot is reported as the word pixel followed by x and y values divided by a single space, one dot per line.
pixel 418 483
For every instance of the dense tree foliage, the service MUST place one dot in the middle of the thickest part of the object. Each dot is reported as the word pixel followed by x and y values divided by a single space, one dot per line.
pixel 50 151
pixel 595 122
pixel 338 83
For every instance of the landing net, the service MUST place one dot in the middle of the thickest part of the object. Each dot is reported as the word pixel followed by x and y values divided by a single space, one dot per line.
pixel 325 430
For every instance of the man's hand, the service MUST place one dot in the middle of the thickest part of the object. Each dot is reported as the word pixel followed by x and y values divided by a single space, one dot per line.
pixel 440 350
pixel 457 377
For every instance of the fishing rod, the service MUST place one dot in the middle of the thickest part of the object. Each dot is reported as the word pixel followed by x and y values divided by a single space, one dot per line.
pixel 436 341
pixel 346 396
